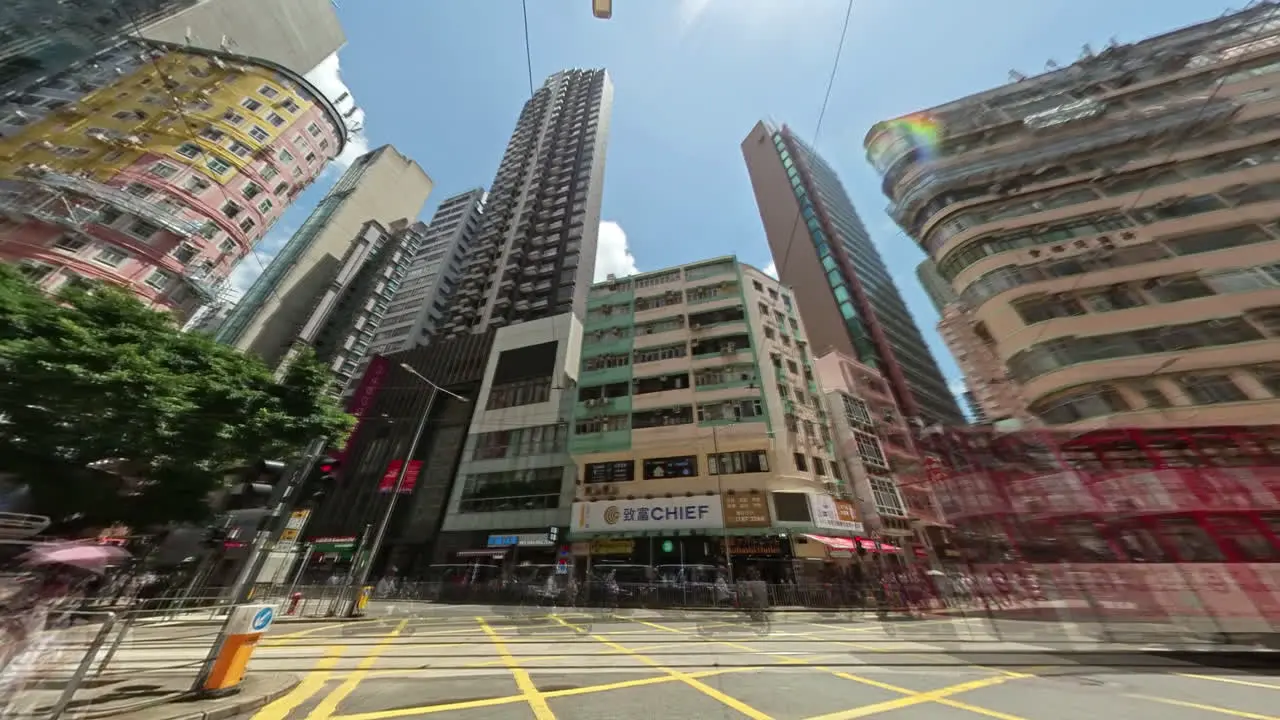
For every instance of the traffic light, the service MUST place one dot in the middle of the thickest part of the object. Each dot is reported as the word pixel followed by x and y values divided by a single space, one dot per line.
pixel 329 469
pixel 257 486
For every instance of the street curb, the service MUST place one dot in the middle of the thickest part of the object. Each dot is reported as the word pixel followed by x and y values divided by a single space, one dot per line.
pixel 237 706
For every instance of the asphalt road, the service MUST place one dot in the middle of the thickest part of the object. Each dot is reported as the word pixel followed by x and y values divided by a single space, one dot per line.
pixel 494 665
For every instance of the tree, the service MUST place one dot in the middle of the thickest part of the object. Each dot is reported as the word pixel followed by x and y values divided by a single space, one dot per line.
pixel 95 375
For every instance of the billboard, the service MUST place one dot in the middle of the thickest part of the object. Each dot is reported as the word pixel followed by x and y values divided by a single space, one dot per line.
pixel 688 513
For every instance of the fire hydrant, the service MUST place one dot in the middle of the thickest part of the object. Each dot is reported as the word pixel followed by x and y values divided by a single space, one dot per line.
pixel 294 600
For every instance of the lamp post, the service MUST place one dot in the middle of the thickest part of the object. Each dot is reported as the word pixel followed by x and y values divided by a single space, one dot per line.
pixel 366 564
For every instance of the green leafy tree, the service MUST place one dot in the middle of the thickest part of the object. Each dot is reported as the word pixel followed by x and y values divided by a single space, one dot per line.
pixel 93 377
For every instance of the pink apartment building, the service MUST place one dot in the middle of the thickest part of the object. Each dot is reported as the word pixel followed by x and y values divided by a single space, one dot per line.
pixel 156 168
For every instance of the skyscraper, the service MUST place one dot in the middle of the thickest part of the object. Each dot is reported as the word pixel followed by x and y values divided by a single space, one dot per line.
pixel 510 343
pixel 381 185
pixel 823 251
pixel 1112 226
pixel 421 302
pixel 536 251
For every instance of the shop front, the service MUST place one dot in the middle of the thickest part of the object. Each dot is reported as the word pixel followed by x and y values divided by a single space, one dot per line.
pixel 504 549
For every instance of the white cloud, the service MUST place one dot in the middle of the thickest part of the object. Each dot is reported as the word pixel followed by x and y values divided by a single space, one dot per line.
pixel 327 77
pixel 771 270
pixel 613 256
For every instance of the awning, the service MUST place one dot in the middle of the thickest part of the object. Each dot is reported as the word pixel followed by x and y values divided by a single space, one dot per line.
pixel 486 553
pixel 851 544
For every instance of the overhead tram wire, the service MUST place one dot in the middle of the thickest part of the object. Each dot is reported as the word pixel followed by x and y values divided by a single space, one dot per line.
pixel 528 55
pixel 822 113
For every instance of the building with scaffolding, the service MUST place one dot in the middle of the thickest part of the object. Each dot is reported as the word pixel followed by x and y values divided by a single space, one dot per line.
pixel 157 168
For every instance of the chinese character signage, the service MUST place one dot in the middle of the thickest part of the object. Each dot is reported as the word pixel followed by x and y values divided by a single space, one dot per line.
pixel 521 539
pixel 743 510
pixel 393 471
pixel 679 513
pixel 828 515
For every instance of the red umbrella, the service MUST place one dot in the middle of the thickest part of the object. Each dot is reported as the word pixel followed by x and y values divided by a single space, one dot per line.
pixel 94 558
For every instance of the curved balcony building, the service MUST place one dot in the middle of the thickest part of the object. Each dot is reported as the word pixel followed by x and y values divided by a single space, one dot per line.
pixel 1112 228
pixel 157 168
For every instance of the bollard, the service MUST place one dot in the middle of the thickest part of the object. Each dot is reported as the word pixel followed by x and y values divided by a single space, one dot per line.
pixel 294 600
pixel 225 667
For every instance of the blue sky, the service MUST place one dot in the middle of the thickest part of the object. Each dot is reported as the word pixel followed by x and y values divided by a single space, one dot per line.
pixel 443 81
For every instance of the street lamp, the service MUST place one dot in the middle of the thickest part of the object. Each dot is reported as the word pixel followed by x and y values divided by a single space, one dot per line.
pixel 602 9
pixel 376 545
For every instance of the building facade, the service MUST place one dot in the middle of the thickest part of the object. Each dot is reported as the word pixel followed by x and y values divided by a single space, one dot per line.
pixel 40 38
pixel 1111 226
pixel 157 168
pixel 421 303
pixel 698 390
pixel 536 251
pixel 991 394
pixel 353 306
pixel 822 249
pixel 516 476
pixel 873 440
pixel 382 186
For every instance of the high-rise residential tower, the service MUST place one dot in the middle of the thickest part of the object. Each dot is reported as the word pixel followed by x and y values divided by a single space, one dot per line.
pixel 421 302
pixel 824 252
pixel 1113 227
pixel 40 38
pixel 156 167
pixel 536 251
pixel 383 186
pixel 511 341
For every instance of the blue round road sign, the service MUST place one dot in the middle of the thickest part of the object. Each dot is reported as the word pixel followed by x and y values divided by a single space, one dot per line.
pixel 262 619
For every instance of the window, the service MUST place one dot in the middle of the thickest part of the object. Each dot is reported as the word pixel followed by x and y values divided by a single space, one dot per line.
pixel 1210 389
pixel 521 392
pixel 143 229
pixel 196 184
pixel 218 165
pixel 231 209
pixel 268 172
pixel 268 91
pixel 259 134
pixel 159 280
pixel 819 467
pixel 314 129
pixel 869 449
pixel 1081 405
pixel 801 464
pixel 251 105
pixel 239 149
pixel 111 256
pixel 285 156
pixel 275 120
pixel 856 411
pixel 185 253
pixel 212 134
pixel 70 244
pixel 189 150
pixel 247 224
pixel 233 117
pixel 290 105
pixel 1269 376
pixel 36 272
pixel 265 206
pixel 138 190
pixel 250 190
pixel 311 157
pixel 733 463
pixel 1151 394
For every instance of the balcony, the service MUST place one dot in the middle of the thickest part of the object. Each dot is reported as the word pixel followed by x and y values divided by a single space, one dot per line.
pixel 1125 130
pixel 116 198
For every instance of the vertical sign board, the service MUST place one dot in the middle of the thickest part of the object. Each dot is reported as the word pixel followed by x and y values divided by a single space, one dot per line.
pixel 362 401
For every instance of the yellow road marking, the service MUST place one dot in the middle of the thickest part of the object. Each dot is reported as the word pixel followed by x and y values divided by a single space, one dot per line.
pixel 1206 708
pixel 513 699
pixel 310 685
pixel 1232 681
pixel 537 703
pixel 917 699
pixel 331 701
pixel 685 678
pixel 286 638
pixel 910 694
